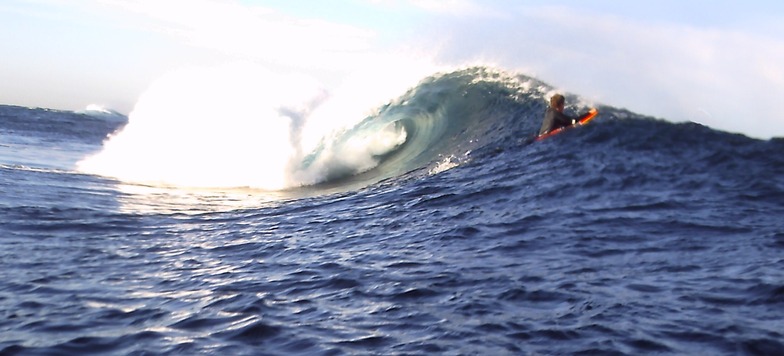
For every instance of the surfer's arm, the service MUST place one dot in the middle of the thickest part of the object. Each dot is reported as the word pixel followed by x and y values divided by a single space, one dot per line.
pixel 583 116
pixel 564 120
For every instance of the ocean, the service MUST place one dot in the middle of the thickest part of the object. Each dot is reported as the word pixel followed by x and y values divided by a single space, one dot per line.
pixel 432 225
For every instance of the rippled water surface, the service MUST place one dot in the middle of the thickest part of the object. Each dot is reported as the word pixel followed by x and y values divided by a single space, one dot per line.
pixel 628 236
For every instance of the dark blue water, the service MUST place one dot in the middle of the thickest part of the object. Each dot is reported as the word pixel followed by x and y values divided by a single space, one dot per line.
pixel 627 236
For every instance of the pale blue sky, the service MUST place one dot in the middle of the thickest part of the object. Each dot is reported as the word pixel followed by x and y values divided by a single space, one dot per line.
pixel 700 60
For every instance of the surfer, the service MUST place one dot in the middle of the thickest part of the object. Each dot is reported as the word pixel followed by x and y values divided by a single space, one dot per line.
pixel 554 118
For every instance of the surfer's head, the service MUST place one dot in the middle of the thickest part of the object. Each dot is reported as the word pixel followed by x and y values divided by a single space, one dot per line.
pixel 557 102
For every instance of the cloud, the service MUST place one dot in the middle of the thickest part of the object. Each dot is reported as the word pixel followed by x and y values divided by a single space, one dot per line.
pixel 453 7
pixel 725 78
pixel 252 32
pixel 457 8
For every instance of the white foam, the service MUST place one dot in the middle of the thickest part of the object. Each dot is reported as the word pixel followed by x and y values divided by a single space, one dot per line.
pixel 218 127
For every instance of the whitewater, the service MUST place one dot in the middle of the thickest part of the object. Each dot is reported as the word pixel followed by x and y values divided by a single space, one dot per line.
pixel 238 210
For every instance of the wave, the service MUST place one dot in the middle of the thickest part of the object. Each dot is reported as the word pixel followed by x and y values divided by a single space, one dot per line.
pixel 100 112
pixel 243 126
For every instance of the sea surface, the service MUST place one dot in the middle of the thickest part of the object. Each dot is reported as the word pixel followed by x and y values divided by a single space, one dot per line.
pixel 631 235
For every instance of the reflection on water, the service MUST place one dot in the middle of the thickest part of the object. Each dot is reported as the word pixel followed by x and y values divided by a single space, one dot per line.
pixel 147 199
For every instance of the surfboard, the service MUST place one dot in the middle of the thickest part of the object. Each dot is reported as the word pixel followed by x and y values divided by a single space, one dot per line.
pixel 584 120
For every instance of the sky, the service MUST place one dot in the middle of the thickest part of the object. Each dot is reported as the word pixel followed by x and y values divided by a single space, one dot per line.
pixel 719 63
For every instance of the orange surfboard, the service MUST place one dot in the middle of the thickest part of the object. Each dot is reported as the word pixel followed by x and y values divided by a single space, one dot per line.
pixel 587 118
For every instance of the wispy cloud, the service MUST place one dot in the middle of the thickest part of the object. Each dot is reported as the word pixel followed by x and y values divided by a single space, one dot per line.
pixel 457 8
pixel 252 32
pixel 454 7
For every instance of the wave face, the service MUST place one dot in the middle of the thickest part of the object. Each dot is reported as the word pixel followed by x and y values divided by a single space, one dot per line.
pixel 440 122
pixel 424 225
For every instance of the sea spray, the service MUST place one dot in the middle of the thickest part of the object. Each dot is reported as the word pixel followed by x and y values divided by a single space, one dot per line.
pixel 211 127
